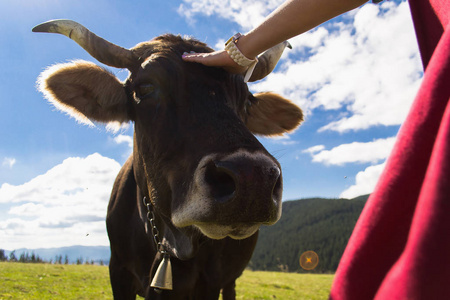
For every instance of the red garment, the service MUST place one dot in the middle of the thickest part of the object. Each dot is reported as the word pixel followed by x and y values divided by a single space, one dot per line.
pixel 400 247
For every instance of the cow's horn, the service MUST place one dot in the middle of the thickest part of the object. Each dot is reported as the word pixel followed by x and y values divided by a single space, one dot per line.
pixel 102 50
pixel 268 60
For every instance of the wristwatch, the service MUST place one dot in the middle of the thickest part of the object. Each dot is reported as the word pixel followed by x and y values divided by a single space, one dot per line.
pixel 235 53
pixel 239 58
pixel 235 38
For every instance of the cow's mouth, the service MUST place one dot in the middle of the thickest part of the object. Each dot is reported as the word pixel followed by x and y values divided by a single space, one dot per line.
pixel 237 232
pixel 231 196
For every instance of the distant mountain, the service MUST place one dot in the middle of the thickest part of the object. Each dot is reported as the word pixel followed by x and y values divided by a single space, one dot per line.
pixel 318 224
pixel 321 225
pixel 89 253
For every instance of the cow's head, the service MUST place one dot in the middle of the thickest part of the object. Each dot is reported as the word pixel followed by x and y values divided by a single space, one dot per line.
pixel 195 154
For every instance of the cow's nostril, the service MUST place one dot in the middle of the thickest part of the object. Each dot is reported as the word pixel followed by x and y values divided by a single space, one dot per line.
pixel 221 181
pixel 277 191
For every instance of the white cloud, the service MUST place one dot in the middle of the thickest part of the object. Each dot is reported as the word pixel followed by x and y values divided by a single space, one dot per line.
pixel 121 138
pixel 27 209
pixel 247 14
pixel 220 44
pixel 9 162
pixel 314 149
pixel 369 67
pixel 365 182
pixel 356 152
pixel 127 140
pixel 60 207
pixel 284 139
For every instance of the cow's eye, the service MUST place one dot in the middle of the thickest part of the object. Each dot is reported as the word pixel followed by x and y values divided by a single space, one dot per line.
pixel 145 90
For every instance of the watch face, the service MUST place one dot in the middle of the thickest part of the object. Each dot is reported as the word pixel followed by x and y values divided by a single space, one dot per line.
pixel 234 38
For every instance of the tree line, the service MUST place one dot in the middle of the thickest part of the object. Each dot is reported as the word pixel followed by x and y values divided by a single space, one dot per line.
pixel 321 225
pixel 26 257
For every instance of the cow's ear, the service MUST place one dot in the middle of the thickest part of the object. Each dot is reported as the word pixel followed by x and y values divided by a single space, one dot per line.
pixel 270 114
pixel 85 91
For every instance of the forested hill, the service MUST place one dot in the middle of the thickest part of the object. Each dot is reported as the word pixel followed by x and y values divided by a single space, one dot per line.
pixel 321 225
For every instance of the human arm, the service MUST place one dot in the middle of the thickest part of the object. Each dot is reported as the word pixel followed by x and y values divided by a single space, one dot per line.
pixel 292 18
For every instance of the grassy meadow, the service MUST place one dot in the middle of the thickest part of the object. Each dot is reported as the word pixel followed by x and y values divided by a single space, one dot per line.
pixel 46 281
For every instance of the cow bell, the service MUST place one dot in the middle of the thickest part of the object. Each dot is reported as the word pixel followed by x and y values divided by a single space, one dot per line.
pixel 163 276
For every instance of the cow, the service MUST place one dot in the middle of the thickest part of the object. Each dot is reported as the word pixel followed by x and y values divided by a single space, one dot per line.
pixel 198 184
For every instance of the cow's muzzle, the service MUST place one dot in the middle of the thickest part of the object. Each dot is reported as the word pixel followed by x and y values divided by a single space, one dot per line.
pixel 232 195
pixel 240 177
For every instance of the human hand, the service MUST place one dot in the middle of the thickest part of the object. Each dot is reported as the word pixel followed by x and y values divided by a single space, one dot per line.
pixel 215 59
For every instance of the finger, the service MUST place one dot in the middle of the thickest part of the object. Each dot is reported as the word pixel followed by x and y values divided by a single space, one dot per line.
pixel 193 58
pixel 193 55
pixel 202 58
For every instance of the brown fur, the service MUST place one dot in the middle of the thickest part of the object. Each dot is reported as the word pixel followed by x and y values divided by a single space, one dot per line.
pixel 191 124
pixel 273 115
pixel 160 45
pixel 88 92
pixel 85 91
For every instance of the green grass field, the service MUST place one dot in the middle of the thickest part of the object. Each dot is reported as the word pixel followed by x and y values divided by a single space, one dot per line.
pixel 45 281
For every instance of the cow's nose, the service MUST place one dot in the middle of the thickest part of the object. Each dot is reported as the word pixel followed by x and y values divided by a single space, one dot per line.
pixel 221 178
pixel 241 177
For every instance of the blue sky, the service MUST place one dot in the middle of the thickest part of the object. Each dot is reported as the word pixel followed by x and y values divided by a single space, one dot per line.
pixel 355 77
